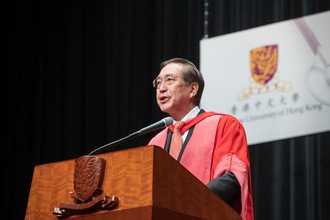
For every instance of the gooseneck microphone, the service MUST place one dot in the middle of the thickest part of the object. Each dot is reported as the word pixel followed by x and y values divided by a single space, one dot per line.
pixel 153 127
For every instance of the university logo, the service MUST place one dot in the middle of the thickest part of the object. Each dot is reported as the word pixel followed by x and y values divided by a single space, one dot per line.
pixel 263 63
pixel 263 66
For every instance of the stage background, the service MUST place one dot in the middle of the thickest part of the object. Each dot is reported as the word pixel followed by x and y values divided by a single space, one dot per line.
pixel 293 100
pixel 79 76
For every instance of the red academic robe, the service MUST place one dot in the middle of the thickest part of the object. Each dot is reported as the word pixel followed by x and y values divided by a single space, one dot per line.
pixel 217 146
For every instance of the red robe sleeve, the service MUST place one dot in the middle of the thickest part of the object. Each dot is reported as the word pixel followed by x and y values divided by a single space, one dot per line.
pixel 231 154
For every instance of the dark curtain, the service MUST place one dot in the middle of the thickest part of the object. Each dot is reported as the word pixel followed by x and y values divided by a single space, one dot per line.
pixel 290 177
pixel 79 76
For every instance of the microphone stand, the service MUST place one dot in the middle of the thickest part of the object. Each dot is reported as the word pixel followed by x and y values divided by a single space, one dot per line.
pixel 158 125
pixel 131 136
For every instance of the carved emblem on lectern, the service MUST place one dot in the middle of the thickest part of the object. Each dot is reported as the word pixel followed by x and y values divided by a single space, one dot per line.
pixel 88 194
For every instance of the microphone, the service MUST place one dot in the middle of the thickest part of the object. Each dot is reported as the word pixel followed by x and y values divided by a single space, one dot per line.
pixel 153 127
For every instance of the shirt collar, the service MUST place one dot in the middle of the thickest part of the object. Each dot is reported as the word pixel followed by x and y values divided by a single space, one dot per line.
pixel 193 113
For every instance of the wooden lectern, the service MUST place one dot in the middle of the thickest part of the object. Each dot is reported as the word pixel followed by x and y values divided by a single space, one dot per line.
pixel 149 183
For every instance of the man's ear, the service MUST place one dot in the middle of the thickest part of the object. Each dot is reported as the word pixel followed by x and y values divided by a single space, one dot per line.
pixel 194 89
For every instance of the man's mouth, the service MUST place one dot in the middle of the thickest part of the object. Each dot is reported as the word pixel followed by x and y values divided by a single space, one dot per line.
pixel 163 99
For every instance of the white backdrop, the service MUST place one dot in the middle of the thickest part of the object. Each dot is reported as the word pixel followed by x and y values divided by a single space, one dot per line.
pixel 275 79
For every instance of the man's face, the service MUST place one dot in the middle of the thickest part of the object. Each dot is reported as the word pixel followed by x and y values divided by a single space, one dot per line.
pixel 174 96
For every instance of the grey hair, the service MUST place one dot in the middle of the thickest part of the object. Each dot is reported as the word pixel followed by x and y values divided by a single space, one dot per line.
pixel 190 74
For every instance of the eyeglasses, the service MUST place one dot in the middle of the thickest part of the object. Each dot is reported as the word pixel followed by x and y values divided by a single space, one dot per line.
pixel 168 80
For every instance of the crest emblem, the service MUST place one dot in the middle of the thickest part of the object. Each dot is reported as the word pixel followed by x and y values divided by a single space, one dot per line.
pixel 263 63
pixel 88 176
pixel 88 194
pixel 263 67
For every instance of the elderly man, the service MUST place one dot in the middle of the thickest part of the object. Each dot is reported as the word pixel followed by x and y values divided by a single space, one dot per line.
pixel 212 146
